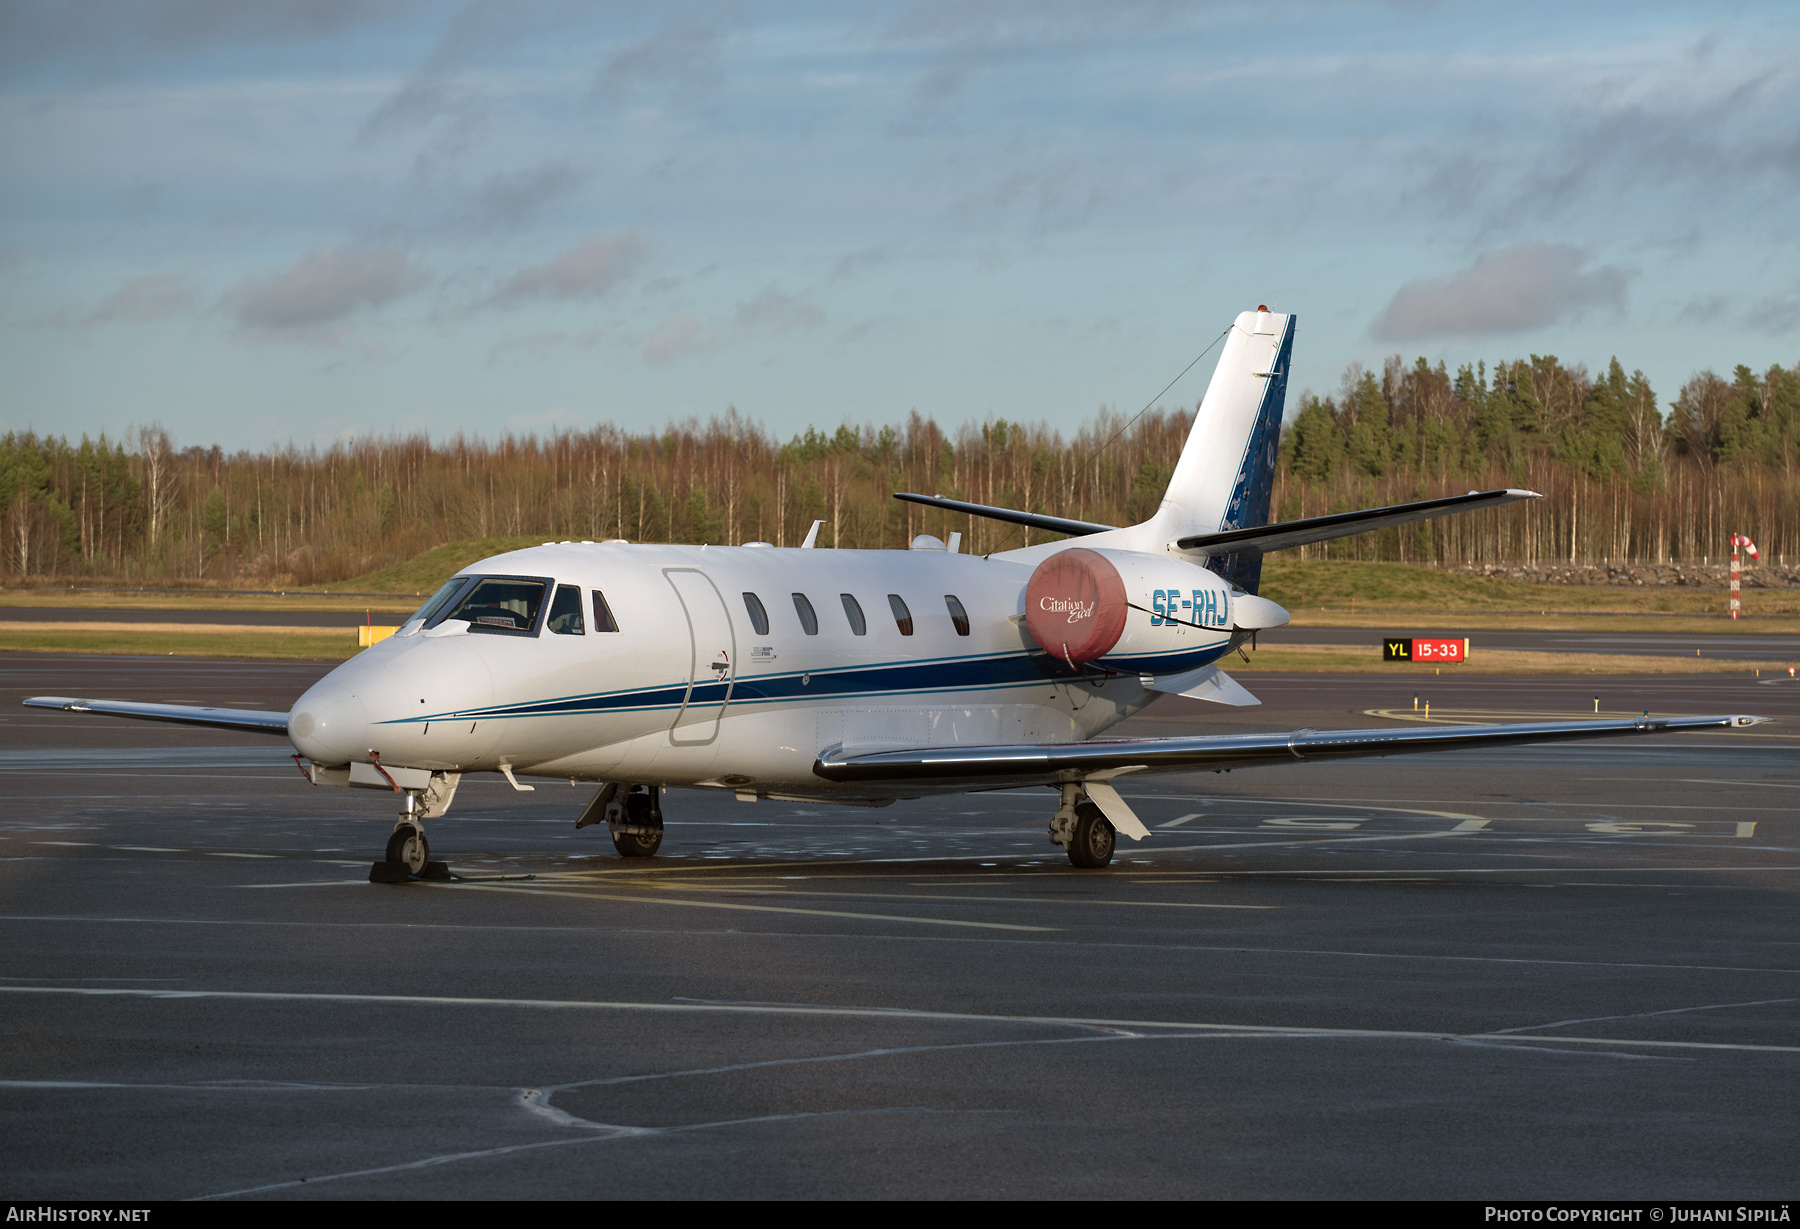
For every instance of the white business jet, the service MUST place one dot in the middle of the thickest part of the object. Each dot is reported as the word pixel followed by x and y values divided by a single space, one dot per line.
pixel 856 676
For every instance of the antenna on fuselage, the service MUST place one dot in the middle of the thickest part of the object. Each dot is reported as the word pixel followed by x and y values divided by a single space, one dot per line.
pixel 812 536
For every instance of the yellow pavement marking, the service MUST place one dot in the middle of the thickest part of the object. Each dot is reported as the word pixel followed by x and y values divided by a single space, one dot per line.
pixel 900 1013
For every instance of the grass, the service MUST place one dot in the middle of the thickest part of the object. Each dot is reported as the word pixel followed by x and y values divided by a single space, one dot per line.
pixel 1341 593
pixel 423 573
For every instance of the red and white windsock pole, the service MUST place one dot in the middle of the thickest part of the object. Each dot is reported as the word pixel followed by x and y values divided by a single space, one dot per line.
pixel 1739 542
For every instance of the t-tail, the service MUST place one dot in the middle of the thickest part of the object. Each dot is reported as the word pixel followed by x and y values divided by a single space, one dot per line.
pixel 1216 510
pixel 1226 474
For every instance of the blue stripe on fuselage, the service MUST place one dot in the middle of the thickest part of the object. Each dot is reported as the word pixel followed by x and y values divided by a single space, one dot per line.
pixel 886 680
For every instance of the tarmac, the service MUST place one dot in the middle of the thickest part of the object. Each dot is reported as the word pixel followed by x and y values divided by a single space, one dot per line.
pixel 1534 973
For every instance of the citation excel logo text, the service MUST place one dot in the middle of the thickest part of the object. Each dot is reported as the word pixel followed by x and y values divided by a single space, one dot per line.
pixel 1077 611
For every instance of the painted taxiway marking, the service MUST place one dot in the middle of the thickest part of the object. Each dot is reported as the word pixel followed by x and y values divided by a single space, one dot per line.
pixel 719 904
pixel 1176 823
pixel 954 900
pixel 1749 784
pixel 886 1013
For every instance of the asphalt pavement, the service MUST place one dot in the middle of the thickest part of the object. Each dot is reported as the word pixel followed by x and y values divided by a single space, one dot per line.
pixel 1567 972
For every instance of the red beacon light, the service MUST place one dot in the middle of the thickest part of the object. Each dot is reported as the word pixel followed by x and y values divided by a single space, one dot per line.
pixel 1262 307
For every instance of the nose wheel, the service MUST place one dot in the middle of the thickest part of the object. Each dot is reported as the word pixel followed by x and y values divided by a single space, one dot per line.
pixel 408 848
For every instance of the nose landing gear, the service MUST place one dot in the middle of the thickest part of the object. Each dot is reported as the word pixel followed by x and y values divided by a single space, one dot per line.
pixel 408 847
pixel 408 852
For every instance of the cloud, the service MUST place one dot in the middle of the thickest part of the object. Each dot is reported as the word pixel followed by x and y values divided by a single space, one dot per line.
pixel 675 54
pixel 323 288
pixel 775 311
pixel 585 271
pixel 143 300
pixel 510 199
pixel 1509 291
pixel 677 337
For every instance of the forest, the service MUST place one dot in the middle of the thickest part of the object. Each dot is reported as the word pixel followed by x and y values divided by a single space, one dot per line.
pixel 1624 480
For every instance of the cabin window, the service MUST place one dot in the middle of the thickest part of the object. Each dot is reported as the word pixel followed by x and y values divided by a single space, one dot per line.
pixel 603 620
pixel 902 616
pixel 759 618
pixel 439 600
pixel 565 611
pixel 958 615
pixel 809 621
pixel 505 604
pixel 853 612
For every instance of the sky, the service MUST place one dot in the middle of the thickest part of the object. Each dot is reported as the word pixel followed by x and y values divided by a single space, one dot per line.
pixel 255 223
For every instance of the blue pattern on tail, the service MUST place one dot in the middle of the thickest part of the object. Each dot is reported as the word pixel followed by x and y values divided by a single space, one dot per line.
pixel 1255 484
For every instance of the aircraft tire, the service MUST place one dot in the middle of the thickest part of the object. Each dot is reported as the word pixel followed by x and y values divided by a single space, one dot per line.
pixel 637 845
pixel 408 846
pixel 1091 846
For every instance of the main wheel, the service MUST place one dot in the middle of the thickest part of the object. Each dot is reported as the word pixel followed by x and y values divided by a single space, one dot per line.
pixel 1091 846
pixel 636 844
pixel 408 845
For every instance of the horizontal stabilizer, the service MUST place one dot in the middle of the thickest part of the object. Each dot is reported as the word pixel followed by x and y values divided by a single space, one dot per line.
pixel 1284 534
pixel 1206 683
pixel 1055 524
pixel 1029 762
pixel 248 720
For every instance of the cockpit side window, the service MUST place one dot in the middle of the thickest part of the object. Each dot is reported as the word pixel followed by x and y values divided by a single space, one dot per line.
pixel 759 618
pixel 853 612
pixel 503 604
pixel 809 619
pixel 958 615
pixel 902 616
pixel 565 612
pixel 439 600
pixel 603 616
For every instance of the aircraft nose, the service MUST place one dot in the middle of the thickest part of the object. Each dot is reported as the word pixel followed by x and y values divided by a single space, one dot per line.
pixel 330 724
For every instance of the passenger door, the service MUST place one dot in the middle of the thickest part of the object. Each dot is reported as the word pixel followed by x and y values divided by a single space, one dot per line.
pixel 712 666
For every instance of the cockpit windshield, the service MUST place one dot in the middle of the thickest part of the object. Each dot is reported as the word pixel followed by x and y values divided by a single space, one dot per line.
pixel 436 601
pixel 502 604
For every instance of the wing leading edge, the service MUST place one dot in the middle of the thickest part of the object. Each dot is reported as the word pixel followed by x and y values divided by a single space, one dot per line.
pixel 247 720
pixel 1037 762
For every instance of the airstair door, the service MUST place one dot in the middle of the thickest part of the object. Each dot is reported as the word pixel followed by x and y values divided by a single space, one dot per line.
pixel 713 664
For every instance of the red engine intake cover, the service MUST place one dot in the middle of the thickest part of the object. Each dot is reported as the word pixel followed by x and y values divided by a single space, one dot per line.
pixel 1075 605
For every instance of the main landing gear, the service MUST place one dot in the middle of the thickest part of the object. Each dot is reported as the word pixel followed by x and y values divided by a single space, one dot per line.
pixel 633 814
pixel 1082 830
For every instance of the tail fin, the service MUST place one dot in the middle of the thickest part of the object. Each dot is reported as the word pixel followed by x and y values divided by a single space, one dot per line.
pixel 1226 474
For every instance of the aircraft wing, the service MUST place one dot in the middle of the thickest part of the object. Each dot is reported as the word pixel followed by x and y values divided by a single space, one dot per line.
pixel 1284 534
pixel 249 720
pixel 1046 762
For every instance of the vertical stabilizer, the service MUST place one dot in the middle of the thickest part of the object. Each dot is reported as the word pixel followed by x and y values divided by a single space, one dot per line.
pixel 1226 474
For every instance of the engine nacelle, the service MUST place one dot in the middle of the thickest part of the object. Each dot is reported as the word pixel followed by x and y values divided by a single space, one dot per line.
pixel 1128 608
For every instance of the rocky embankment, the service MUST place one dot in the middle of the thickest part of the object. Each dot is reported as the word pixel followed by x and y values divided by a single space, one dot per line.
pixel 1690 575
